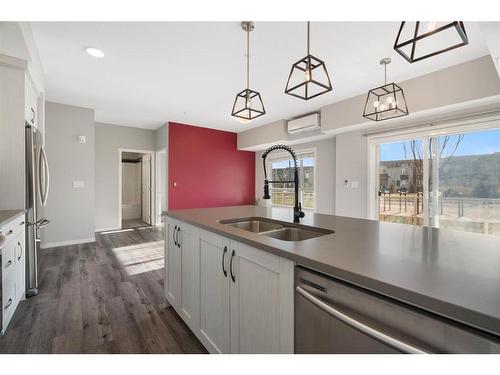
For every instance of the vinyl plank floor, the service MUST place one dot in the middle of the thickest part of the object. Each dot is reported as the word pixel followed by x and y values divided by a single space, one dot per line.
pixel 102 297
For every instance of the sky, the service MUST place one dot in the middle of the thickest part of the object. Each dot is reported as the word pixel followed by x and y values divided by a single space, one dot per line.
pixel 480 143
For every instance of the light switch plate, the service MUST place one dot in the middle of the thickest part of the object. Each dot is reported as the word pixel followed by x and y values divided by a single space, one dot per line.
pixel 78 184
pixel 82 139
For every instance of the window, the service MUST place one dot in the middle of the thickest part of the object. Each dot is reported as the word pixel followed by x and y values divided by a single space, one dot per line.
pixel 282 169
pixel 451 180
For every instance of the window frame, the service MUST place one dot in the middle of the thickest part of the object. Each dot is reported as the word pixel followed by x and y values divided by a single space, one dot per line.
pixel 277 156
pixel 425 133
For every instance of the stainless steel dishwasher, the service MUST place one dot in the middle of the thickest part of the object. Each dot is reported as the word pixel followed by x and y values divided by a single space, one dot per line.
pixel 332 316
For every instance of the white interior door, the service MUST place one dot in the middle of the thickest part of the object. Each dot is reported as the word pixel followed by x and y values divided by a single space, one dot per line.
pixel 146 188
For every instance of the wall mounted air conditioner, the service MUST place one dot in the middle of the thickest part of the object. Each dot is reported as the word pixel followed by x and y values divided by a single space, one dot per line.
pixel 304 124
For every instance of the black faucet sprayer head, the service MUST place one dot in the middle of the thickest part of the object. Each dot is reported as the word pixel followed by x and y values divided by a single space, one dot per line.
pixel 266 190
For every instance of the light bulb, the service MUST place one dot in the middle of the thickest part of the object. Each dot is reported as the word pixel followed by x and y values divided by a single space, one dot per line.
pixel 248 103
pixel 243 120
pixel 389 100
pixel 376 103
pixel 308 74
pixel 382 107
pixel 431 26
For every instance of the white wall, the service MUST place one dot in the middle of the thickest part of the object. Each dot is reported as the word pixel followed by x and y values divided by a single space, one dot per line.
pixel 325 173
pixel 70 210
pixel 110 138
pixel 351 165
pixel 131 191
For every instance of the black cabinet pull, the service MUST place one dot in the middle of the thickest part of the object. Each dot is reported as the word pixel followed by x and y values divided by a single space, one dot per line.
pixel 21 247
pixel 7 305
pixel 177 238
pixel 173 235
pixel 231 267
pixel 223 258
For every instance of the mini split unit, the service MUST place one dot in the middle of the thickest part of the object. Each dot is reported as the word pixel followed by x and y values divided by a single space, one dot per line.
pixel 304 124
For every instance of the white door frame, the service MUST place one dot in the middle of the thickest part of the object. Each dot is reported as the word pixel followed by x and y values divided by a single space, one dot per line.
pixel 153 177
pixel 158 175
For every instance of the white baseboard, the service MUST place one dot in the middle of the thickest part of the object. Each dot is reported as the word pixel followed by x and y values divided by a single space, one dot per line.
pixel 66 243
pixel 103 229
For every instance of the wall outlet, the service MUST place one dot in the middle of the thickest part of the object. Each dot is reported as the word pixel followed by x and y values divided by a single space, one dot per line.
pixel 82 139
pixel 78 184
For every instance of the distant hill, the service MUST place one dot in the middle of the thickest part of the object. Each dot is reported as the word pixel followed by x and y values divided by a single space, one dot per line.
pixel 476 176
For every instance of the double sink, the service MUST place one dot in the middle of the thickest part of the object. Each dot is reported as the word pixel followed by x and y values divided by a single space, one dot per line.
pixel 277 229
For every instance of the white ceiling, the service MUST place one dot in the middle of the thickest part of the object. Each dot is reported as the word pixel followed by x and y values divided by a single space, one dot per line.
pixel 190 72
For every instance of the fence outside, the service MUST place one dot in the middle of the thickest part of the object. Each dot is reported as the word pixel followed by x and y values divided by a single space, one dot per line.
pixel 480 215
pixel 286 197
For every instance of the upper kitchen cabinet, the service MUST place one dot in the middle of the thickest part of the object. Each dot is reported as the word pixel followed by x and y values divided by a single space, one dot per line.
pixel 31 103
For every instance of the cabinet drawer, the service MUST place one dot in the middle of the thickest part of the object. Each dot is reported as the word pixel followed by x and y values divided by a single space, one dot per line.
pixel 8 257
pixel 9 301
pixel 10 230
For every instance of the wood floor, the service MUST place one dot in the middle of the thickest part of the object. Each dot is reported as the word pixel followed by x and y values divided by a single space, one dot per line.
pixel 93 300
pixel 133 223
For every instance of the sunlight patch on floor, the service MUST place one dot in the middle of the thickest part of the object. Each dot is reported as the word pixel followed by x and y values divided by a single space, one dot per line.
pixel 140 258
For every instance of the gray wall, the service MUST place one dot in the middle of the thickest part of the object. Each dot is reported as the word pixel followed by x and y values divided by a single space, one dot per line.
pixel 110 138
pixel 70 210
pixel 463 83
pixel 351 165
pixel 325 174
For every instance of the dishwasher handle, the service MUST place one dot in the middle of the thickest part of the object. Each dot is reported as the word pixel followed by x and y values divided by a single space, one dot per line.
pixel 382 337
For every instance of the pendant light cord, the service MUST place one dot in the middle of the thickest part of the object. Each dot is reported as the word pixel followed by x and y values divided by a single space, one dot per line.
pixel 248 58
pixel 385 74
pixel 308 37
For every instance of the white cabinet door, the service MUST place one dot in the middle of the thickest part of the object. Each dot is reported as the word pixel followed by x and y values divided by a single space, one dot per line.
pixel 146 188
pixel 30 103
pixel 261 301
pixel 214 293
pixel 172 264
pixel 20 268
pixel 189 242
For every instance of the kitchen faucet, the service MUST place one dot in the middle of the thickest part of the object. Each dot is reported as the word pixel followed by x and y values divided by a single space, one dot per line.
pixel 297 208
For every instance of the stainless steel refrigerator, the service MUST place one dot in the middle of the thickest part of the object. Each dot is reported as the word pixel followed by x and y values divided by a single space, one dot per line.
pixel 37 192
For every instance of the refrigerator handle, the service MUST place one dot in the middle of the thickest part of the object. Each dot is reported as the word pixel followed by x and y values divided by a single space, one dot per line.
pixel 44 193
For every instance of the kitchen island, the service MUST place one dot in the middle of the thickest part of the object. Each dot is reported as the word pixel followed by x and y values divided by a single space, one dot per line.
pixel 452 274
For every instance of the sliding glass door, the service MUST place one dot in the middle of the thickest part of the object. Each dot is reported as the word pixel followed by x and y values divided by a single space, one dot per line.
pixel 446 180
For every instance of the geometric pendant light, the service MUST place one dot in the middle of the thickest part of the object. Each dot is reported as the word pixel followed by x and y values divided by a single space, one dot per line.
pixel 248 103
pixel 387 101
pixel 308 77
pixel 420 40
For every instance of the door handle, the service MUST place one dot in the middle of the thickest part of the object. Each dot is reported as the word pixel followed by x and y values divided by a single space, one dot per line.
pixel 173 235
pixel 361 327
pixel 223 259
pixel 231 266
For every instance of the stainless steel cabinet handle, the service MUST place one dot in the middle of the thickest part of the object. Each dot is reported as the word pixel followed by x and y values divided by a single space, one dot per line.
pixel 9 232
pixel 231 266
pixel 223 259
pixel 7 305
pixel 382 337
pixel 173 235
pixel 9 263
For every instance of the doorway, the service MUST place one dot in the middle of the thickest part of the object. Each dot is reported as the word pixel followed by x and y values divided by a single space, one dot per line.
pixel 135 189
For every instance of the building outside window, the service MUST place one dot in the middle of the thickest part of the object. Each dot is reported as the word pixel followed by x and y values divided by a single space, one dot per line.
pixel 281 169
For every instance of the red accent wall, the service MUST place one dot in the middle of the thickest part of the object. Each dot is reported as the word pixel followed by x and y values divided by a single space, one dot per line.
pixel 207 169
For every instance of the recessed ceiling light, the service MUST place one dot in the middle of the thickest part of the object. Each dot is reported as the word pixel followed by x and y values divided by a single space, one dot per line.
pixel 94 52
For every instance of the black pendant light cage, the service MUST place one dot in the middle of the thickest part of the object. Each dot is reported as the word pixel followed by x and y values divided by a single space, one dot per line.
pixel 415 43
pixel 248 104
pixel 308 77
pixel 387 101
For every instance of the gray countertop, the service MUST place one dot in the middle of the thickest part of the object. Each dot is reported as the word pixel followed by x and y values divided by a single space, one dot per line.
pixel 453 274
pixel 8 215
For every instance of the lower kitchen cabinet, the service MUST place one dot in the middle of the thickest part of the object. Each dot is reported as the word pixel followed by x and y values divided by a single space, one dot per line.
pixel 12 269
pixel 261 301
pixel 234 297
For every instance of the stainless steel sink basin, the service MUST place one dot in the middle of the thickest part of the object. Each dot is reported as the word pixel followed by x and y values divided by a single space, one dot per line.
pixel 253 225
pixel 294 234
pixel 277 229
